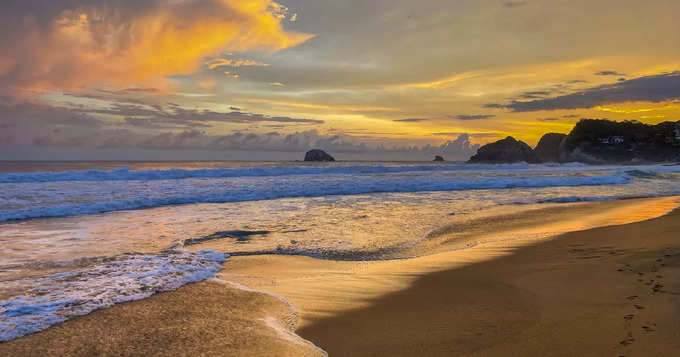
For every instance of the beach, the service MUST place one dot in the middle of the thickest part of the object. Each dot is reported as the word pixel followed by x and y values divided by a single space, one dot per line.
pixel 339 178
pixel 610 290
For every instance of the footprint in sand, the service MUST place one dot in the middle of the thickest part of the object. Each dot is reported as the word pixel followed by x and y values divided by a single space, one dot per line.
pixel 628 317
pixel 627 341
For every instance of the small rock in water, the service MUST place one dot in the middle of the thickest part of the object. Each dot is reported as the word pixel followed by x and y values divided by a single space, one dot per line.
pixel 318 155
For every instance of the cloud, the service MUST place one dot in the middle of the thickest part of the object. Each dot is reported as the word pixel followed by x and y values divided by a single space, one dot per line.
pixel 476 135
pixel 558 88
pixel 474 117
pixel 50 45
pixel 656 88
pixel 78 126
pixel 23 123
pixel 227 62
pixel 44 126
pixel 534 94
pixel 301 141
pixel 513 4
pixel 609 73
pixel 173 114
pixel 410 120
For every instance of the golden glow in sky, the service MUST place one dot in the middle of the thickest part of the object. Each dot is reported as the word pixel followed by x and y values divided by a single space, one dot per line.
pixel 235 74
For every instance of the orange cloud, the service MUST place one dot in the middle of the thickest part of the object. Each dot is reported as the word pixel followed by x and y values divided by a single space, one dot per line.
pixel 226 62
pixel 95 42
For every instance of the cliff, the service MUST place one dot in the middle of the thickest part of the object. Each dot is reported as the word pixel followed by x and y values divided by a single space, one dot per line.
pixel 548 148
pixel 593 141
pixel 604 141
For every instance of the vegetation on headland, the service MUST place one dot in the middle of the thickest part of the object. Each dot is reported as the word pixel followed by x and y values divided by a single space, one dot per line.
pixel 595 141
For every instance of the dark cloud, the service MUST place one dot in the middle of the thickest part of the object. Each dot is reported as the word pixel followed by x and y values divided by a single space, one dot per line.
pixel 513 4
pixel 41 114
pixel 22 123
pixel 571 116
pixel 535 94
pixel 609 73
pixel 173 114
pixel 548 119
pixel 474 116
pixel 559 88
pixel 657 88
pixel 410 120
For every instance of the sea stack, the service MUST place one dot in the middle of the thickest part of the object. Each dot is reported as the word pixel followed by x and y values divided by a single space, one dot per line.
pixel 507 150
pixel 318 155
pixel 438 158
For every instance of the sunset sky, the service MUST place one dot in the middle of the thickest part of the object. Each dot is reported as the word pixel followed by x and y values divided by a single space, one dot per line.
pixel 378 79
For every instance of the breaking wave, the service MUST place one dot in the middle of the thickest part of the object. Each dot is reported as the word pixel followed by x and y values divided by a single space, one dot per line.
pixel 129 277
pixel 220 192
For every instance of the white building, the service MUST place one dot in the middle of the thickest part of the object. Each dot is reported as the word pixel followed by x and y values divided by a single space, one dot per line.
pixel 677 131
pixel 612 140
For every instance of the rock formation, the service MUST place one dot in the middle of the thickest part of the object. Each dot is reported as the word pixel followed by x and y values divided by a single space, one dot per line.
pixel 548 148
pixel 593 141
pixel 438 158
pixel 598 141
pixel 505 151
pixel 318 155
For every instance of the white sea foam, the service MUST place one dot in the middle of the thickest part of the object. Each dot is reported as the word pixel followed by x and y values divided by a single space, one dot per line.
pixel 125 174
pixel 82 198
pixel 58 297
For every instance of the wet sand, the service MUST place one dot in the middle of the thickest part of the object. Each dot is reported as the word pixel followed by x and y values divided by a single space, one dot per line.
pixel 606 291
pixel 203 319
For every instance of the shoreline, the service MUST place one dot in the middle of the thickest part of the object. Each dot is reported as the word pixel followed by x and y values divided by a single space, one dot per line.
pixel 333 298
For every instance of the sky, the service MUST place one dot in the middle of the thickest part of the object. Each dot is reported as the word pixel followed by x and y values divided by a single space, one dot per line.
pixel 363 80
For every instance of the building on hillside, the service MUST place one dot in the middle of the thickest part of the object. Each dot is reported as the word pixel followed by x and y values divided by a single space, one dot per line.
pixel 612 140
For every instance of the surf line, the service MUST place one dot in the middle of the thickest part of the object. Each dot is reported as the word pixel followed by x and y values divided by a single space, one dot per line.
pixel 285 333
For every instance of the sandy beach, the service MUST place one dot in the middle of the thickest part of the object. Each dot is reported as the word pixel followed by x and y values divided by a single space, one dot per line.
pixel 610 291
pixel 607 291
pixel 294 178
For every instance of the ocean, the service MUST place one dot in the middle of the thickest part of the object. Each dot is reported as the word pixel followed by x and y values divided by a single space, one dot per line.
pixel 81 236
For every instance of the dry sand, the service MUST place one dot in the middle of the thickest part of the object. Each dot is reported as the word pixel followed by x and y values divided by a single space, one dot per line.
pixel 612 291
